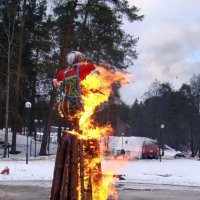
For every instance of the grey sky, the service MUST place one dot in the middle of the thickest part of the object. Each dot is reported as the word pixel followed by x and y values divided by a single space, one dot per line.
pixel 169 44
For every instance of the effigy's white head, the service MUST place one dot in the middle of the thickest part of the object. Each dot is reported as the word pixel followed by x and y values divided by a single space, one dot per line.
pixel 75 57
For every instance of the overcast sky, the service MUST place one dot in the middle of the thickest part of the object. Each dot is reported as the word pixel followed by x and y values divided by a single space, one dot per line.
pixel 168 47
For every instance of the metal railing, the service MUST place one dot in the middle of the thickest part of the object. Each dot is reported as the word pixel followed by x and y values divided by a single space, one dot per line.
pixel 33 149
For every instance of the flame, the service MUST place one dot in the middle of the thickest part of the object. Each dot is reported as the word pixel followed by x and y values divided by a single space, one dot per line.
pixel 96 90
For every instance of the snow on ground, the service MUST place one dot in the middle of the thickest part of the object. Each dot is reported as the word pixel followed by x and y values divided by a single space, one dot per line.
pixel 173 172
pixel 39 171
pixel 133 145
pixel 22 144
pixel 128 143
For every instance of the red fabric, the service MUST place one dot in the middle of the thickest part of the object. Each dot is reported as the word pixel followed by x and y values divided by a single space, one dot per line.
pixel 85 70
pixel 6 171
pixel 65 106
pixel 60 75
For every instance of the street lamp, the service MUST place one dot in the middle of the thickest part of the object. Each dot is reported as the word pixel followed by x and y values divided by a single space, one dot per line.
pixel 35 122
pixel 122 150
pixel 40 129
pixel 162 126
pixel 122 140
pixel 28 107
pixel 40 125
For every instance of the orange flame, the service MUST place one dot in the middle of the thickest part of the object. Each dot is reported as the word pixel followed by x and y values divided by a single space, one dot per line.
pixel 96 90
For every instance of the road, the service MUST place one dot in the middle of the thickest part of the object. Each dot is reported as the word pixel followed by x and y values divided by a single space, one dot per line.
pixel 159 195
pixel 132 192
pixel 136 191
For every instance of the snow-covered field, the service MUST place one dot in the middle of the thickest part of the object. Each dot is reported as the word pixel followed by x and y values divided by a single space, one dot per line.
pixel 174 172
pixel 39 171
pixel 22 144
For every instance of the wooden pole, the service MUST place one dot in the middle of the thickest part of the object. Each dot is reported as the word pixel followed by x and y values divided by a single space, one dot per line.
pixel 71 171
pixel 81 169
pixel 74 169
pixel 95 175
pixel 59 168
pixel 64 192
pixel 89 189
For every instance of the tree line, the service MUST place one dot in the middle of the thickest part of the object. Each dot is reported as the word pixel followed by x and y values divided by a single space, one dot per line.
pixel 177 110
pixel 35 37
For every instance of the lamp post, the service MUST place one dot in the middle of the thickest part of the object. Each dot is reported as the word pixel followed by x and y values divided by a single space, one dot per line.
pixel 40 129
pixel 162 126
pixel 35 134
pixel 122 140
pixel 28 107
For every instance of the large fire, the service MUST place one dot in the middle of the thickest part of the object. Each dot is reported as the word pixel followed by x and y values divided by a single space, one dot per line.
pixel 96 90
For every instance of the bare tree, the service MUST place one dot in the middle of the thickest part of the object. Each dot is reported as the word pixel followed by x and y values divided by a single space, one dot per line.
pixel 18 78
pixel 63 52
pixel 195 89
pixel 8 12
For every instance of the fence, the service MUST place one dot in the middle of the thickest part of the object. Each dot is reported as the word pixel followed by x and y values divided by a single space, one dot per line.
pixel 33 149
pixel 121 154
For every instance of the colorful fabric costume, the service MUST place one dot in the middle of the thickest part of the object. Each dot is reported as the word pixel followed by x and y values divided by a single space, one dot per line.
pixel 70 101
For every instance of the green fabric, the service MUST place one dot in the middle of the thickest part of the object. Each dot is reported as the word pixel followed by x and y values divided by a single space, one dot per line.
pixel 71 90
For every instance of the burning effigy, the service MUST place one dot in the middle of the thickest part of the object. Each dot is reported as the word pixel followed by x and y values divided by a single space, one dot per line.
pixel 84 88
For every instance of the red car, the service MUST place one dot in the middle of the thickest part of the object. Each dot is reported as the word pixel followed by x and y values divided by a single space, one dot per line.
pixel 150 151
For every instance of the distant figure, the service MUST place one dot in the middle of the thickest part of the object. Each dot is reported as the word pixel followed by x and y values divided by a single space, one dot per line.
pixel 5 171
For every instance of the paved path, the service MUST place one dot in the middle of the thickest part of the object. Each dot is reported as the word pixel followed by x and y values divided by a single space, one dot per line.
pixel 23 193
pixel 159 195
pixel 135 192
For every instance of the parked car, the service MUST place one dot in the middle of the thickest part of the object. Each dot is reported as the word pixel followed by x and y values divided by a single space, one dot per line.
pixel 150 151
pixel 179 155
